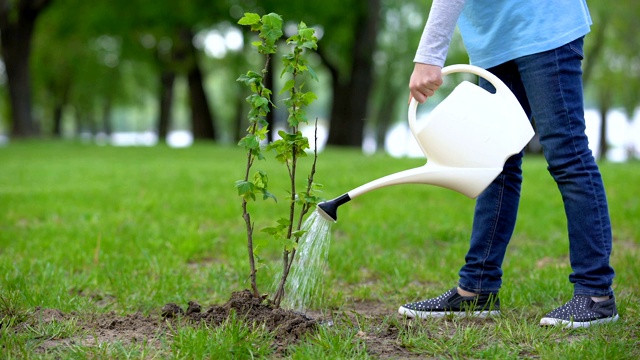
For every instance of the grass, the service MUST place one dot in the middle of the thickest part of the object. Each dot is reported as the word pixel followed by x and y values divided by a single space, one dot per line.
pixel 88 230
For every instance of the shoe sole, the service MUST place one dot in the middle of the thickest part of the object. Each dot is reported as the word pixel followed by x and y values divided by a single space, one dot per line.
pixel 575 324
pixel 440 314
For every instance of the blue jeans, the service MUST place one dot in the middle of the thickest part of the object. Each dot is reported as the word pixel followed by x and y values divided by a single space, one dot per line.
pixel 549 88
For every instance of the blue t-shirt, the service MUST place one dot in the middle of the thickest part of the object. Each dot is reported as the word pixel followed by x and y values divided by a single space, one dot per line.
pixel 496 31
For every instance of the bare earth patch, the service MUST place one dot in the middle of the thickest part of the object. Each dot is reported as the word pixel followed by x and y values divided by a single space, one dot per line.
pixel 380 337
pixel 288 326
pixel 103 328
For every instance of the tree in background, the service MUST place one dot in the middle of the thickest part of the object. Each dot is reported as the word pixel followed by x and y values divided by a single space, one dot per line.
pixel 162 33
pixel 366 51
pixel 352 75
pixel 17 23
pixel 149 36
pixel 612 64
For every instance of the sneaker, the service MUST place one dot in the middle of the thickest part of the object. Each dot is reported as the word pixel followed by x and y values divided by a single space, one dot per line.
pixel 452 303
pixel 581 311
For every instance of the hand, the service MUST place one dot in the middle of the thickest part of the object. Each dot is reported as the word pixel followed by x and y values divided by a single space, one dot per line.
pixel 424 82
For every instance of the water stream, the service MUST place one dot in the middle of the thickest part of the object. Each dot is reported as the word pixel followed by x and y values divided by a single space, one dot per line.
pixel 309 264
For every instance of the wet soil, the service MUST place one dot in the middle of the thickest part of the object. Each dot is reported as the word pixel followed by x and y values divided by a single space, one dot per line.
pixel 287 326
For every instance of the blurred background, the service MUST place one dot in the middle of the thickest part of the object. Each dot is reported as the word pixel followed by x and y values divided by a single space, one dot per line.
pixel 148 72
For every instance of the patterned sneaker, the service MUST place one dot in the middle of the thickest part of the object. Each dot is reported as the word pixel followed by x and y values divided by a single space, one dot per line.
pixel 581 311
pixel 452 303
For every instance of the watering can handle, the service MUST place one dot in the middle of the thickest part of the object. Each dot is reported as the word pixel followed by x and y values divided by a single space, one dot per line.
pixel 501 88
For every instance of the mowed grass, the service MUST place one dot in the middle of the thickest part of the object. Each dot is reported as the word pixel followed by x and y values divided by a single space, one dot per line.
pixel 90 229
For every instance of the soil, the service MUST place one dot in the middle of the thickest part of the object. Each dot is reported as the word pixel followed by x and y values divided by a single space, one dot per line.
pixel 287 326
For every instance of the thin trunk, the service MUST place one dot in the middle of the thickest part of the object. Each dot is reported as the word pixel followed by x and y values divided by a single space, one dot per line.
pixel 604 105
pixel 167 80
pixel 58 108
pixel 57 120
pixel 106 117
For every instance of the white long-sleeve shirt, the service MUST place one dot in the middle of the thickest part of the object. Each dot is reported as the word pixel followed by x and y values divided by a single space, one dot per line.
pixel 496 31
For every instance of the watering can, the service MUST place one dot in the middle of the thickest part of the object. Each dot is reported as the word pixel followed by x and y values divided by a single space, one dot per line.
pixel 466 139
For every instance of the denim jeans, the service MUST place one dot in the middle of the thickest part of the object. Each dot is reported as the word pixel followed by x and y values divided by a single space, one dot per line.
pixel 549 88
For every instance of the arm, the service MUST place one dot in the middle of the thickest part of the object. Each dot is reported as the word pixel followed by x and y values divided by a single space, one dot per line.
pixel 433 48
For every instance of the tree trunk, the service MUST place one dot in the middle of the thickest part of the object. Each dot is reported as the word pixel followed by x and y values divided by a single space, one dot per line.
pixel 604 105
pixel 350 98
pixel 106 117
pixel 201 116
pixel 57 120
pixel 341 126
pixel 167 79
pixel 16 30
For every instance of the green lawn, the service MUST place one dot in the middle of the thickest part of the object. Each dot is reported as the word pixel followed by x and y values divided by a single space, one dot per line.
pixel 90 230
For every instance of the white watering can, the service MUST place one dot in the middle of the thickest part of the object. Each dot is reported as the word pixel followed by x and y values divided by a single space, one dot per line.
pixel 466 139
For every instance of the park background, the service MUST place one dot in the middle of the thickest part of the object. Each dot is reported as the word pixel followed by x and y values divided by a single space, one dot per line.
pixel 147 72
pixel 101 223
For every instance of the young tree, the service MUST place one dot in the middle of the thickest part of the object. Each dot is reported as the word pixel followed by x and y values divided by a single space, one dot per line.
pixel 289 148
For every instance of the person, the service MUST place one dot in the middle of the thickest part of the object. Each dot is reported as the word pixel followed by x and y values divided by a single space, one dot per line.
pixel 536 49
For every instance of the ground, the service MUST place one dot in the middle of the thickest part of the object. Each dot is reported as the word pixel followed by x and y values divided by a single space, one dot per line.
pixel 287 325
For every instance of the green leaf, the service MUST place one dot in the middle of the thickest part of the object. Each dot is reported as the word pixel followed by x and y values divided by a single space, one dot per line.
pixel 284 135
pixel 310 45
pixel 267 195
pixel 259 101
pixel 288 86
pixel 271 28
pixel 249 142
pixel 289 245
pixel 246 189
pixel 271 230
pixel 260 179
pixel 309 97
pixel 249 19
pixel 262 132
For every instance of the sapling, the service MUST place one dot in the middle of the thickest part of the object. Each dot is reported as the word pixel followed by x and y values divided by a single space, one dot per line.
pixel 291 145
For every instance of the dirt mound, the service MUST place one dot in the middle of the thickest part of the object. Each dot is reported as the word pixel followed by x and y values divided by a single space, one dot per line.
pixel 287 325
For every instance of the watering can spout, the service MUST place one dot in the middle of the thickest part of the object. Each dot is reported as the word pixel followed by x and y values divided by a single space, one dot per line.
pixel 466 139
pixel 456 179
pixel 329 209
